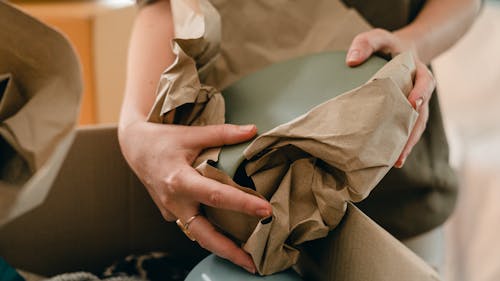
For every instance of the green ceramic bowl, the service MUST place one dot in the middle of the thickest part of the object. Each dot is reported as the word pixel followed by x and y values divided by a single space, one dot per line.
pixel 284 91
pixel 213 268
pixel 269 98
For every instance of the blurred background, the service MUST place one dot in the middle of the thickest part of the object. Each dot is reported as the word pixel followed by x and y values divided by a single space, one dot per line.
pixel 99 31
pixel 468 77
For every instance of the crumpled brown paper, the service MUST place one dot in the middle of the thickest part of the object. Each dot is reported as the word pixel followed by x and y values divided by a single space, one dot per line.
pixel 40 88
pixel 326 163
pixel 309 168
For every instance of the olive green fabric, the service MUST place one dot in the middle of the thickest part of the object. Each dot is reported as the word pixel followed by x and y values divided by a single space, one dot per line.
pixel 421 195
pixel 387 14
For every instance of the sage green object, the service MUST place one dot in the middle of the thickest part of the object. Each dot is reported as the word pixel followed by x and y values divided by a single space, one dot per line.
pixel 284 91
pixel 214 268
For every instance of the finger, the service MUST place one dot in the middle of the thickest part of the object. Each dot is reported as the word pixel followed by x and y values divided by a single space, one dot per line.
pixel 367 43
pixel 219 135
pixel 419 98
pixel 423 88
pixel 166 214
pixel 218 195
pixel 415 136
pixel 212 240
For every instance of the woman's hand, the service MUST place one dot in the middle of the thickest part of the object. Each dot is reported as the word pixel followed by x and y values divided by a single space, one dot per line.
pixel 161 155
pixel 383 41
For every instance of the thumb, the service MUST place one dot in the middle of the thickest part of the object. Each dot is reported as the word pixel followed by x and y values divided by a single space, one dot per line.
pixel 219 135
pixel 367 43
pixel 359 51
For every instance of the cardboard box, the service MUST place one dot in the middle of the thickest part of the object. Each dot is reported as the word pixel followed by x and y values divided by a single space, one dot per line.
pixel 98 211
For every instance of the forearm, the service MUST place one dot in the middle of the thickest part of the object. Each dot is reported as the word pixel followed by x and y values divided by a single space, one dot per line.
pixel 438 26
pixel 149 54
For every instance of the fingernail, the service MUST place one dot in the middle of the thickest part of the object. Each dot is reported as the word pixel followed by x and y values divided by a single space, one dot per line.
pixel 247 128
pixel 250 269
pixel 418 103
pixel 353 55
pixel 263 213
pixel 399 164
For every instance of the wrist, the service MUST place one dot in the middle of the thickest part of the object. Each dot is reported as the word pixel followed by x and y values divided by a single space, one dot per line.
pixel 414 37
pixel 128 119
pixel 407 39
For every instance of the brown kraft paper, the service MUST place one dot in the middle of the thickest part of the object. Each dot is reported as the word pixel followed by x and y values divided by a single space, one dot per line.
pixel 40 88
pixel 310 169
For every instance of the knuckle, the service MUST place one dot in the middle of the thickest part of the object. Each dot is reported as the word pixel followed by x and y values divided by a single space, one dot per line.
pixel 226 254
pixel 172 182
pixel 216 199
pixel 221 132
pixel 203 243
pixel 225 129
pixel 220 129
pixel 379 31
pixel 165 200
pixel 167 216
pixel 381 34
pixel 247 206
pixel 362 38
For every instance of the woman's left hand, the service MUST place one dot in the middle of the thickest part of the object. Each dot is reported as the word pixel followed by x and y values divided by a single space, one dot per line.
pixel 379 40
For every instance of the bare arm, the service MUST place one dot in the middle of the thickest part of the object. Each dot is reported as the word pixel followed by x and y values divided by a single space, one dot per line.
pixel 161 155
pixel 149 54
pixel 438 26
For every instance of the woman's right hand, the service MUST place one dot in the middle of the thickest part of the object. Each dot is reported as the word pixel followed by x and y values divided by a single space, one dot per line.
pixel 161 155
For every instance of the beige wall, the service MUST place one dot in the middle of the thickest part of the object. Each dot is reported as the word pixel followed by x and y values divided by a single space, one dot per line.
pixel 99 32
pixel 468 77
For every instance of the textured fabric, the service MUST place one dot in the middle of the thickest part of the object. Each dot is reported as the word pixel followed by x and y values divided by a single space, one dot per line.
pixel 86 276
pixel 8 273
pixel 387 14
pixel 154 266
